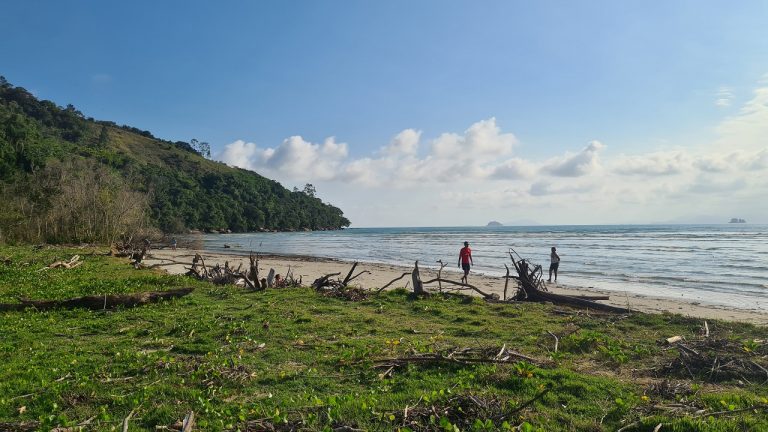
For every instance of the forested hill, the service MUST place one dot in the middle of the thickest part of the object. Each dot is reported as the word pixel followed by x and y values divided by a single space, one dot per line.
pixel 48 152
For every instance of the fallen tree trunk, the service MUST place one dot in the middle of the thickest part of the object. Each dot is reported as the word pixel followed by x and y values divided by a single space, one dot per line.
pixel 531 288
pixel 108 301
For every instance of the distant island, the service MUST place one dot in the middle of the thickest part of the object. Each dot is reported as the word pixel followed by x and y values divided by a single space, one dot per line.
pixel 737 220
pixel 494 224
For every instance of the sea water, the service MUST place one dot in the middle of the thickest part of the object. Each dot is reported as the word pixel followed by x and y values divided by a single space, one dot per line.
pixel 724 265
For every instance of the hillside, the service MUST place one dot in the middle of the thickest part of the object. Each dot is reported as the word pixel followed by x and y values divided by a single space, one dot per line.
pixel 183 189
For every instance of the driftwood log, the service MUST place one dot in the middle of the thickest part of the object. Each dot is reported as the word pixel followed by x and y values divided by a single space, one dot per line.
pixel 72 263
pixel 418 286
pixel 531 288
pixel 99 302
pixel 224 275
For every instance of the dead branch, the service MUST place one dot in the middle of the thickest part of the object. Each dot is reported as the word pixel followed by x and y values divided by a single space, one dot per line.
pixel 472 287
pixel 556 339
pixel 72 263
pixel 440 274
pixel 460 356
pixel 358 275
pixel 392 281
pixel 349 275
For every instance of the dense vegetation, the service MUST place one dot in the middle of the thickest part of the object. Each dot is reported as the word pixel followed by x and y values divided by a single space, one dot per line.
pixel 45 149
pixel 290 359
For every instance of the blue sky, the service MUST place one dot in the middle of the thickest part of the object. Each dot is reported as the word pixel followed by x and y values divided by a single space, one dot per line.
pixel 652 81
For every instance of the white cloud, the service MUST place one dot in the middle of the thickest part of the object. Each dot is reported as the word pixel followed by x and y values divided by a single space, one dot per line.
pixel 546 187
pixel 585 162
pixel 481 140
pixel 653 164
pixel 405 143
pixel 724 97
pixel 514 168
pixel 454 176
pixel 293 158
pixel 748 129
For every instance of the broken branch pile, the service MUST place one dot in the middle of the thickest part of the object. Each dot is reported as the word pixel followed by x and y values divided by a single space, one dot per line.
pixel 462 356
pixel 717 360
pixel 330 287
pixel 222 275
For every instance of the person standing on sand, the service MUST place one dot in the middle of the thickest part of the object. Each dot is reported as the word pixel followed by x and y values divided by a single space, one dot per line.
pixel 173 243
pixel 465 261
pixel 555 263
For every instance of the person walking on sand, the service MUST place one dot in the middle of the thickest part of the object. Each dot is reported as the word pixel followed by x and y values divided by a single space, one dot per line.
pixel 555 263
pixel 173 243
pixel 465 261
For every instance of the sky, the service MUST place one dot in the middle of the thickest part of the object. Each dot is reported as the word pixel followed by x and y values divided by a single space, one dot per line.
pixel 434 113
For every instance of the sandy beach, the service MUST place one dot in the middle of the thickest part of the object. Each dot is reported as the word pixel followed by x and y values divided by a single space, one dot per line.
pixel 310 268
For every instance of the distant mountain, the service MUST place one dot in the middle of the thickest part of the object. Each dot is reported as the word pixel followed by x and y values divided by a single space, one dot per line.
pixel 494 224
pixel 185 190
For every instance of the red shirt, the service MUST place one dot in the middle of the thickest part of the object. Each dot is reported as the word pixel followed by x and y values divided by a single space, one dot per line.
pixel 465 254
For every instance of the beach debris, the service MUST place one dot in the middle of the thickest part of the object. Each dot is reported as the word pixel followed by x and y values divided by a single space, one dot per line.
pixel 333 287
pixel 418 286
pixel 440 275
pixel 99 302
pixel 226 275
pixel 464 286
pixel 718 360
pixel 460 411
pixel 126 420
pixel 673 339
pixel 72 263
pixel 530 287
pixel 462 356
pixel 189 422
pixel 392 281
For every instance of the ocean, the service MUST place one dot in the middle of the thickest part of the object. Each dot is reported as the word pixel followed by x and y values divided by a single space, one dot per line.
pixel 724 265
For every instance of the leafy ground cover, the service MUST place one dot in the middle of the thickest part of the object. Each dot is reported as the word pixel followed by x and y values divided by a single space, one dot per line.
pixel 291 359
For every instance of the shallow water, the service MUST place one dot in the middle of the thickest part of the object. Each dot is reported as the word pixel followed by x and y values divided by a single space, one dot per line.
pixel 715 264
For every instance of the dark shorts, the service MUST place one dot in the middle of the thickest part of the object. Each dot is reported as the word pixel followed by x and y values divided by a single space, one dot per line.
pixel 554 266
pixel 465 266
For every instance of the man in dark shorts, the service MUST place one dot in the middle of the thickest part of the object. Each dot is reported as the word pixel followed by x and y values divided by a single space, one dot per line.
pixel 465 261
pixel 555 263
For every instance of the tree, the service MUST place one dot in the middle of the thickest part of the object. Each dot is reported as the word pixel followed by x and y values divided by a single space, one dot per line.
pixel 201 147
pixel 309 190
pixel 103 136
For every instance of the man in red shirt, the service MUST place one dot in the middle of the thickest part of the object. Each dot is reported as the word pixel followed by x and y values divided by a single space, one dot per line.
pixel 465 259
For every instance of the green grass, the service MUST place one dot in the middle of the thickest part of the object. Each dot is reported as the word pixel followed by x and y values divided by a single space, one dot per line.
pixel 292 358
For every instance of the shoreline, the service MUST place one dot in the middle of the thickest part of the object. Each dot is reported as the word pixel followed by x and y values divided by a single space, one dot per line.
pixel 310 268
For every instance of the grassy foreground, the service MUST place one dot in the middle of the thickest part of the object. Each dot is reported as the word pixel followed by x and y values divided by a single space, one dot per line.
pixel 291 359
